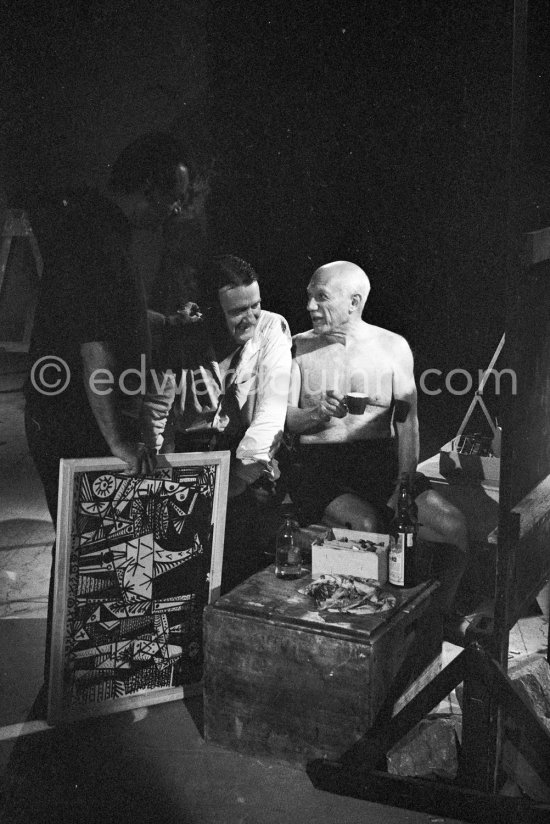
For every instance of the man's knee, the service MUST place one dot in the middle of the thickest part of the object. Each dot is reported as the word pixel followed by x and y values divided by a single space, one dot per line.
pixel 351 512
pixel 445 519
pixel 455 528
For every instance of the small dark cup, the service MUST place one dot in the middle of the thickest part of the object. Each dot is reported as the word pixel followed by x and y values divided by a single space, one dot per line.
pixel 356 402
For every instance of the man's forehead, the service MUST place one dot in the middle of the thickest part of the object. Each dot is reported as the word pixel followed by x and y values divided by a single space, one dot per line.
pixel 244 294
pixel 323 279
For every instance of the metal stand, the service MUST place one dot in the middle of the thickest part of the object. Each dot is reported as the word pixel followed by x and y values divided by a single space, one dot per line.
pixel 478 397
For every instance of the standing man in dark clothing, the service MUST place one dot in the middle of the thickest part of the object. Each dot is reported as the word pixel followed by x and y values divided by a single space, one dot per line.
pixel 91 320
pixel 175 297
pixel 91 326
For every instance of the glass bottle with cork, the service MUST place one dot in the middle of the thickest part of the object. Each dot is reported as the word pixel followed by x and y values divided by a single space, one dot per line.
pixel 402 561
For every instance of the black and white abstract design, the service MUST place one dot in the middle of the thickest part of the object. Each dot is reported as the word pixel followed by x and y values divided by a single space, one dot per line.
pixel 140 553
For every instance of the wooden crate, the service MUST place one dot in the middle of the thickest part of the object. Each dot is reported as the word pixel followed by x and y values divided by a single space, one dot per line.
pixel 282 682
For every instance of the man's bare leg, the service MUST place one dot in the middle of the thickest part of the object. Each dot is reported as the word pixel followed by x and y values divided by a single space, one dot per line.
pixel 352 512
pixel 442 523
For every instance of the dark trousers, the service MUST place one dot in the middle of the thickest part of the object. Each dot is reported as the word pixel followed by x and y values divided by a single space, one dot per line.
pixel 251 520
pixel 249 545
pixel 52 436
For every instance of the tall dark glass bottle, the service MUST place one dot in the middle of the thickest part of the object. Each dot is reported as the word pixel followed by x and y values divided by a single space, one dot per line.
pixel 403 554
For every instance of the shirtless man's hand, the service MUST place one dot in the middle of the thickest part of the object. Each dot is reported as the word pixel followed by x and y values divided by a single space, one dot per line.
pixel 331 405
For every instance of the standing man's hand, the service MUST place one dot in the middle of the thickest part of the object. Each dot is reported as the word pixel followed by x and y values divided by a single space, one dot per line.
pixel 97 357
pixel 189 313
pixel 137 457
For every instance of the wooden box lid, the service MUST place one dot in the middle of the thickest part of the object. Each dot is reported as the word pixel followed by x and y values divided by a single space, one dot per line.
pixel 265 597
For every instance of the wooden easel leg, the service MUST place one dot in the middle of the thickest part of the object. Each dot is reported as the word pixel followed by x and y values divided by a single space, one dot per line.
pixel 493 709
pixel 479 719
pixel 387 732
pixel 431 797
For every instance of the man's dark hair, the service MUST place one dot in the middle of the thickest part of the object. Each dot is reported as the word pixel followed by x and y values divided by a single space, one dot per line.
pixel 227 270
pixel 150 160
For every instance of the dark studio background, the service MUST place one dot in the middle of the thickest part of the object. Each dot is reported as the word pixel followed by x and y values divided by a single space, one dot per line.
pixel 376 131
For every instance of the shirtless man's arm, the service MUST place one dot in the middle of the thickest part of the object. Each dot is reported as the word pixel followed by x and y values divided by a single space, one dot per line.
pixel 406 413
pixel 330 405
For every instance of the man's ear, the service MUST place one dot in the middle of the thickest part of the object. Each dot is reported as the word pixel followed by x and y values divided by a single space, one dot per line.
pixel 355 301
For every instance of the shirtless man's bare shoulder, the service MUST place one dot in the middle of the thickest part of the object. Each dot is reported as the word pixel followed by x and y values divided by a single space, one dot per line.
pixel 385 339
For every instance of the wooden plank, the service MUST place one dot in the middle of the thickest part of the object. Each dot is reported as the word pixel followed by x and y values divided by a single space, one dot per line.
pixel 520 771
pixel 521 579
pixel 477 751
pixel 436 798
pixel 266 597
pixel 521 726
pixel 533 508
pixel 385 734
pixel 528 354
pixel 486 687
pixel 537 246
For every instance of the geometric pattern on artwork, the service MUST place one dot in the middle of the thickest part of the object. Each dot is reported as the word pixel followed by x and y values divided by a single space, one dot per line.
pixel 139 564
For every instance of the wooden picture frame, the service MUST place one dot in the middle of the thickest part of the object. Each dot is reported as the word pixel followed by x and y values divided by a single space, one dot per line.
pixel 137 560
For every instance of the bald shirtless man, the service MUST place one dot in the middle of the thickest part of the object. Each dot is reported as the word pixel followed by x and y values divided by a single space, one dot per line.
pixel 351 464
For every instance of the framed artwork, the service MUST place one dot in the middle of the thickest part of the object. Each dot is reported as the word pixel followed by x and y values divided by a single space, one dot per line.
pixel 137 560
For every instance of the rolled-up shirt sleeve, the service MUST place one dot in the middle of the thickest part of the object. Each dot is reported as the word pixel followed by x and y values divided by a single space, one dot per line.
pixel 267 403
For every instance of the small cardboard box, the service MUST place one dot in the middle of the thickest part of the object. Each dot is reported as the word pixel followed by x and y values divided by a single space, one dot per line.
pixel 345 556
pixel 480 467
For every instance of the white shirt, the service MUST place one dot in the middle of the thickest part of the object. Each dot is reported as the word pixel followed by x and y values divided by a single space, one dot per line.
pixel 260 382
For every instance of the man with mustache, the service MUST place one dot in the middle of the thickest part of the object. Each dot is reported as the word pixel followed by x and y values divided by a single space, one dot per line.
pixel 351 463
pixel 232 394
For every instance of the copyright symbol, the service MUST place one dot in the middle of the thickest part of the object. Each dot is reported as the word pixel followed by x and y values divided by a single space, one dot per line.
pixel 50 375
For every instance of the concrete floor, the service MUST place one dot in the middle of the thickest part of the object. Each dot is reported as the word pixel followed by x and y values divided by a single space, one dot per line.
pixel 144 765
